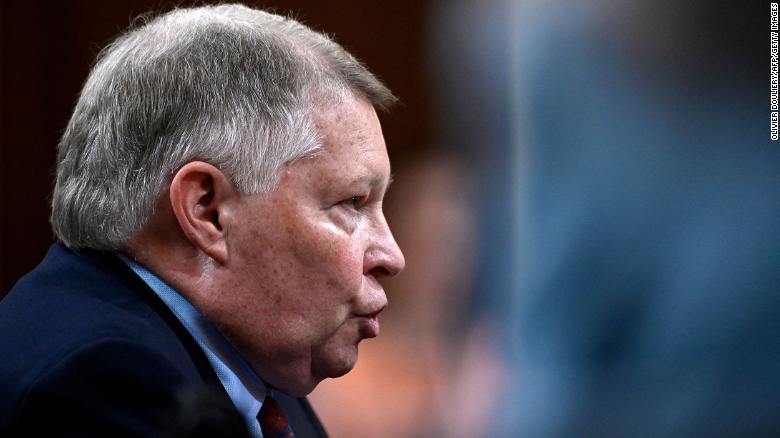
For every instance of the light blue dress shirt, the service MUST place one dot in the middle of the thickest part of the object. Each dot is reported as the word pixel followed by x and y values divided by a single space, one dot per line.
pixel 244 387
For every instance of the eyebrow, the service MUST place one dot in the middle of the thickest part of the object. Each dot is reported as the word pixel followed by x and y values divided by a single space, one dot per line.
pixel 390 180
pixel 374 182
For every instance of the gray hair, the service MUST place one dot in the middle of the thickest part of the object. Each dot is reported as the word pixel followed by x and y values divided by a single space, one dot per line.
pixel 227 84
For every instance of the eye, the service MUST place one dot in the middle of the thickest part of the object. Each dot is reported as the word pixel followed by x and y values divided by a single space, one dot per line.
pixel 354 201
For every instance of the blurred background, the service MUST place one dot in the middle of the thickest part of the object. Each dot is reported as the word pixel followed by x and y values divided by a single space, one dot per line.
pixel 586 196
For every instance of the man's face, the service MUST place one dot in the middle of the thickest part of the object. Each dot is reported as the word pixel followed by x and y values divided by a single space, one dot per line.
pixel 302 288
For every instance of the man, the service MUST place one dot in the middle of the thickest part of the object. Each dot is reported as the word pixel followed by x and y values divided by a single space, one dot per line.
pixel 219 209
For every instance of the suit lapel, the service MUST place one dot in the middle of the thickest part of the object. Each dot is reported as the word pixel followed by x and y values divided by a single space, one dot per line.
pixel 112 264
pixel 298 410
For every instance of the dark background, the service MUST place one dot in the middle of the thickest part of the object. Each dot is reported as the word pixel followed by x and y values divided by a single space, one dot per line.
pixel 48 48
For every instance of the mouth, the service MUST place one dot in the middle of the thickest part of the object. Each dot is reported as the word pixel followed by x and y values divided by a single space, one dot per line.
pixel 367 314
pixel 369 325
pixel 368 321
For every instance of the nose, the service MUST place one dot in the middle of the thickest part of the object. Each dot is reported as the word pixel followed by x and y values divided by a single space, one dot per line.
pixel 383 258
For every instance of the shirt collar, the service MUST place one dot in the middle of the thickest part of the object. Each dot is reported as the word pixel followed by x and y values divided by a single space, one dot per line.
pixel 244 387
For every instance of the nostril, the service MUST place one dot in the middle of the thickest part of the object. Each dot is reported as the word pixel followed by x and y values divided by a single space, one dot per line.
pixel 379 271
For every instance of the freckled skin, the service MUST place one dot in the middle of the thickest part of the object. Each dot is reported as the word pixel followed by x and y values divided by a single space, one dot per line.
pixel 303 259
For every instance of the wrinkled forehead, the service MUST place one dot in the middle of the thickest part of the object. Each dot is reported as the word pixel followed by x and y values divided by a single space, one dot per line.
pixel 352 146
pixel 349 125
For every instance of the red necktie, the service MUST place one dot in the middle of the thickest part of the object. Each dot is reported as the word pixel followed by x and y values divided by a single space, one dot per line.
pixel 273 423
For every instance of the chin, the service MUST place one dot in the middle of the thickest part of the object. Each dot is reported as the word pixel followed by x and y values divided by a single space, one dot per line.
pixel 342 370
pixel 335 366
pixel 321 370
pixel 300 389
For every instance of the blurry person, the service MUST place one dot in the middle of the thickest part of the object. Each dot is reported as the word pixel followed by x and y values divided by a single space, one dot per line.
pixel 630 172
pixel 218 205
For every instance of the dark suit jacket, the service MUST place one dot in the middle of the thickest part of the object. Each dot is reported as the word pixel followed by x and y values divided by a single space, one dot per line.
pixel 88 349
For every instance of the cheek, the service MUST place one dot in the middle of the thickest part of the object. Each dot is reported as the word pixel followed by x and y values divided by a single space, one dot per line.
pixel 329 259
pixel 304 266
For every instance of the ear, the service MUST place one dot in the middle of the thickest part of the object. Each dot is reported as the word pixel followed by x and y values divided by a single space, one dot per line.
pixel 200 198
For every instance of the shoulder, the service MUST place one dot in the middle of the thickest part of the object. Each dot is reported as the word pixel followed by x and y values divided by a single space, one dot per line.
pixel 71 301
pixel 81 333
pixel 107 387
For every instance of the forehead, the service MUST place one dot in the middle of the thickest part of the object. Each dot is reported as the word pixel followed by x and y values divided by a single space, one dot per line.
pixel 352 140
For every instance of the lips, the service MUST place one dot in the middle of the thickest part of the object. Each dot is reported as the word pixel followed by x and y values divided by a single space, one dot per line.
pixel 368 312
pixel 369 320
pixel 369 325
